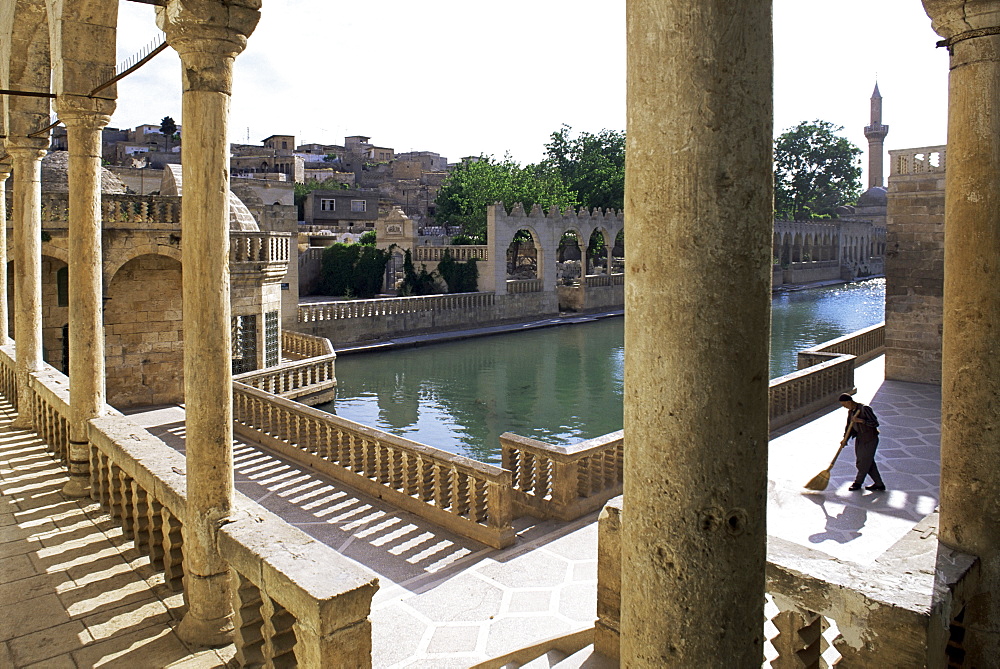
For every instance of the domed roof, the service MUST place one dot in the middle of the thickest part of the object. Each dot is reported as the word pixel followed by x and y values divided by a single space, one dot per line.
pixel 240 217
pixel 55 175
pixel 876 196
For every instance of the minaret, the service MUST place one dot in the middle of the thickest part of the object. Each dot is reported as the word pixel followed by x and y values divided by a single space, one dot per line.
pixel 875 133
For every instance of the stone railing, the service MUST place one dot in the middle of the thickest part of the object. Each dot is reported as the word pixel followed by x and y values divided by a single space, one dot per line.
pixel 295 380
pixel 301 345
pixel 895 612
pixel 921 160
pixel 829 373
pixel 297 601
pixel 863 345
pixel 458 253
pixel 467 497
pixel 563 482
pixel 132 211
pixel 595 280
pixel 257 251
pixel 327 311
pixel 515 286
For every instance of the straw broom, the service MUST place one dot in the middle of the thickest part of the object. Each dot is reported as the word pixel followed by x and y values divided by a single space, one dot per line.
pixel 822 480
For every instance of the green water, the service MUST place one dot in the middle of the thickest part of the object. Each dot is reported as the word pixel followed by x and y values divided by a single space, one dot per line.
pixel 560 385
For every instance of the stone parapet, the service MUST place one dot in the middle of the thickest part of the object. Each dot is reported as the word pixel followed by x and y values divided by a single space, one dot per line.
pixel 895 612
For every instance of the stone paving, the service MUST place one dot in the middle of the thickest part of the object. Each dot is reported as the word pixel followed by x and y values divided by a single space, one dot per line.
pixel 445 601
pixel 73 592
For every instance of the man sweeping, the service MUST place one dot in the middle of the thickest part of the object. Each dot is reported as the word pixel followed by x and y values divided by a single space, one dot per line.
pixel 862 424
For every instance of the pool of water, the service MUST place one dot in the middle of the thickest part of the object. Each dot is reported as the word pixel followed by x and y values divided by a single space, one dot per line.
pixel 560 385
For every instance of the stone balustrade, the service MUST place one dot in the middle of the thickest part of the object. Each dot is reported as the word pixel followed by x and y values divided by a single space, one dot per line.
pixel 563 482
pixel 467 497
pixel 300 345
pixel 459 253
pixel 251 252
pixel 516 286
pixel 819 612
pixel 128 211
pixel 297 601
pixel 800 393
pixel 921 160
pixel 864 345
pixel 597 280
pixel 328 311
pixel 299 380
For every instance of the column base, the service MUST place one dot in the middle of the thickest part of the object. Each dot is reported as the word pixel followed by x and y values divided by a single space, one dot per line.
pixel 207 633
pixel 22 423
pixel 77 486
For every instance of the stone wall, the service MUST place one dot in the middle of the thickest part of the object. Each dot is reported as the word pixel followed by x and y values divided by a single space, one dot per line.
pixel 914 265
pixel 144 348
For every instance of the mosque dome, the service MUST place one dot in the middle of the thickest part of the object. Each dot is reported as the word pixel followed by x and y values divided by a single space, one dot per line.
pixel 874 197
pixel 240 217
pixel 55 175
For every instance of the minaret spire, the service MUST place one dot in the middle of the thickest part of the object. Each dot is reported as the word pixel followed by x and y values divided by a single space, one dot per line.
pixel 875 133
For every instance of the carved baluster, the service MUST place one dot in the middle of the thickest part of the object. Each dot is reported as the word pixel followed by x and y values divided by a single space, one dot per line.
pixel 126 509
pixel 154 549
pixel 248 622
pixel 173 552
pixel 140 516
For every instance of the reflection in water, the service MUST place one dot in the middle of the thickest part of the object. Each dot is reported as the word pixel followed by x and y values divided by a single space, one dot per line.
pixel 560 385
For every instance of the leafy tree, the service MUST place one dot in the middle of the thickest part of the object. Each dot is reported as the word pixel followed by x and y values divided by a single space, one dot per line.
pixel 303 189
pixel 474 185
pixel 416 283
pixel 353 270
pixel 461 277
pixel 815 171
pixel 592 165
pixel 168 128
pixel 367 238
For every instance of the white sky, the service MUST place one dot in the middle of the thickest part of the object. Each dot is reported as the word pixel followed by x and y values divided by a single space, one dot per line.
pixel 463 77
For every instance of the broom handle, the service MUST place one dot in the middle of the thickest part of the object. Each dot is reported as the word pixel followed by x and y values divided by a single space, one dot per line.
pixel 843 442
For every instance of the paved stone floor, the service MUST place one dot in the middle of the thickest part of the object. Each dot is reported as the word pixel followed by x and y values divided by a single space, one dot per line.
pixel 445 601
pixel 73 591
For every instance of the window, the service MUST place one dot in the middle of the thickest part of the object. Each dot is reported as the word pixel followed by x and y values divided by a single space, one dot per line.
pixel 62 287
pixel 328 205
pixel 359 205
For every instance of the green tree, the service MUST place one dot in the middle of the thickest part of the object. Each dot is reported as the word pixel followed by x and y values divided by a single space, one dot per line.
pixel 461 277
pixel 474 185
pixel 815 171
pixel 414 282
pixel 592 165
pixel 353 270
pixel 368 238
pixel 168 128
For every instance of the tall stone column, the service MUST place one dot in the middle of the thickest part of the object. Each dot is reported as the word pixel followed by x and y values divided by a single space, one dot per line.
pixel 86 316
pixel 27 156
pixel 4 311
pixel 207 34
pixel 696 332
pixel 970 364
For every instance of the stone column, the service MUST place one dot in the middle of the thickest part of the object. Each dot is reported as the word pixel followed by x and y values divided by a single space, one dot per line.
pixel 970 364
pixel 86 314
pixel 27 156
pixel 4 313
pixel 207 34
pixel 696 332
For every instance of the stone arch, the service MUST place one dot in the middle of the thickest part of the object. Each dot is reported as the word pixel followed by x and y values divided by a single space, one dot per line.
pixel 600 260
pixel 24 50
pixel 144 349
pixel 570 257
pixel 524 257
pixel 112 266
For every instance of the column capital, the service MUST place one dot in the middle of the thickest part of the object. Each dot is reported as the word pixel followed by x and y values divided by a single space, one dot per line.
pixel 84 112
pixel 208 35
pixel 950 18
pixel 5 167
pixel 27 148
